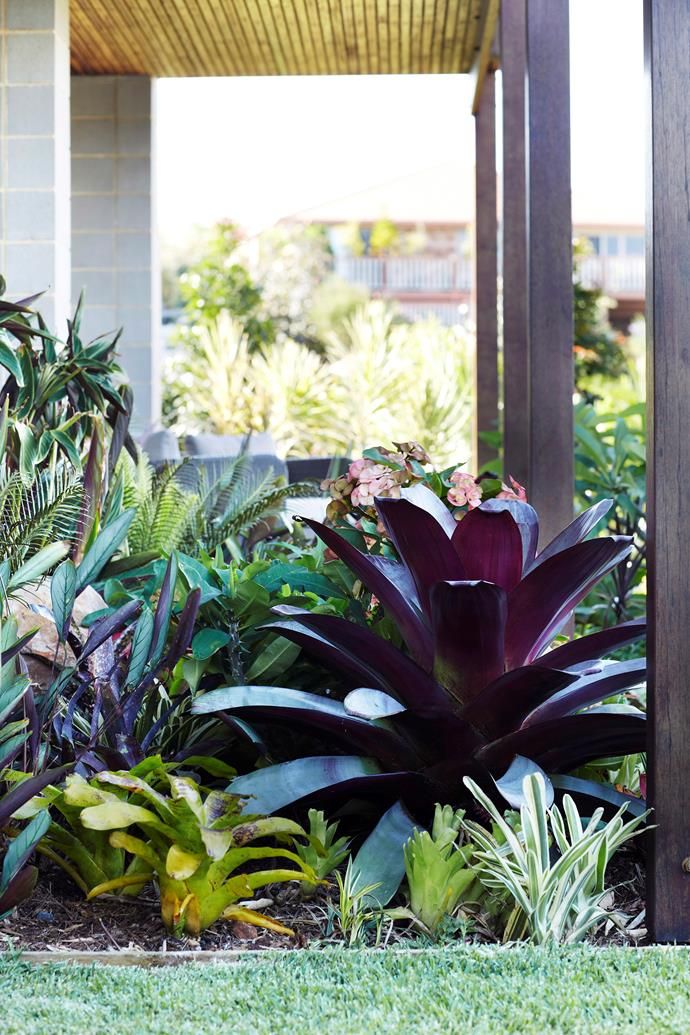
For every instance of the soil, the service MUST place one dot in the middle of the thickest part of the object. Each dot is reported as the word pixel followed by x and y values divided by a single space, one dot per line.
pixel 57 918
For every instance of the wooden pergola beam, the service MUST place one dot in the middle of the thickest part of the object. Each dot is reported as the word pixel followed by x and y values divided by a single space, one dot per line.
pixel 486 272
pixel 514 228
pixel 667 61
pixel 549 249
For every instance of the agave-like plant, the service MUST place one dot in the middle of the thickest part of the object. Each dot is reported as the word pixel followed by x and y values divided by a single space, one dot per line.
pixel 481 691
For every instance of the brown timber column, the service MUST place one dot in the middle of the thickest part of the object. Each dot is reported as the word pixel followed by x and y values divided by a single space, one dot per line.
pixel 549 237
pixel 486 272
pixel 667 61
pixel 515 286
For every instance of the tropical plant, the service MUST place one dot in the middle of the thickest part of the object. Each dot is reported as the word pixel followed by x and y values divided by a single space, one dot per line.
pixel 481 690
pixel 198 848
pixel 322 852
pixel 610 463
pixel 557 900
pixel 86 855
pixel 401 381
pixel 37 511
pixel 439 871
pixel 178 507
pixel 22 720
pixel 123 695
pixel 355 916
pixel 58 394
pixel 378 376
pixel 231 640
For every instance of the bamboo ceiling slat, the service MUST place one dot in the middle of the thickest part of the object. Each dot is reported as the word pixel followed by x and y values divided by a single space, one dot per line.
pixel 274 37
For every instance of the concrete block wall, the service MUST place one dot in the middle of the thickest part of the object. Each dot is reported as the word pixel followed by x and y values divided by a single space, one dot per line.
pixel 114 255
pixel 35 153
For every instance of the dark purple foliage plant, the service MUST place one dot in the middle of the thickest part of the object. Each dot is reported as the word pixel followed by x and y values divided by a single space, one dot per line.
pixel 482 690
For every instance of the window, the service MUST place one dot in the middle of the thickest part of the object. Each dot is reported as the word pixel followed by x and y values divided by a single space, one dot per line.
pixel 634 244
pixel 612 245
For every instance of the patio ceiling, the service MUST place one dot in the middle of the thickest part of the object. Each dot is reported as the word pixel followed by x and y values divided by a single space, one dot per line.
pixel 277 37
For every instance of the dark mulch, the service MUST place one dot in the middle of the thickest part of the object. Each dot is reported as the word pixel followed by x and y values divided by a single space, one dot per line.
pixel 57 917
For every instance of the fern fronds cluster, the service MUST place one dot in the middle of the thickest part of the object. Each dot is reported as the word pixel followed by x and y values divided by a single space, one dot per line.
pixel 173 514
pixel 163 507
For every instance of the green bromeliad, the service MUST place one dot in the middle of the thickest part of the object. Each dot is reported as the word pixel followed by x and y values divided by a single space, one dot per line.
pixel 196 847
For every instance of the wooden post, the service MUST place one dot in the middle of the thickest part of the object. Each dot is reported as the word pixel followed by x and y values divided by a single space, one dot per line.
pixel 549 237
pixel 486 272
pixel 515 285
pixel 667 61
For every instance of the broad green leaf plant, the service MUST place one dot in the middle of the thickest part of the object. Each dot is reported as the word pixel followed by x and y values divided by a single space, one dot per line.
pixel 196 846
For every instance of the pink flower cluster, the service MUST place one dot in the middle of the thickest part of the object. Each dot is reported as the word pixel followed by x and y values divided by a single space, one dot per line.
pixel 372 480
pixel 465 491
pixel 366 479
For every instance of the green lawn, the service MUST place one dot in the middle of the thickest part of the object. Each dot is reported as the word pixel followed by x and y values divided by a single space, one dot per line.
pixel 340 992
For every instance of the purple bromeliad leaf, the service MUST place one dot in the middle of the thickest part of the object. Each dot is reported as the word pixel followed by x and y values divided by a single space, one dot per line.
pixel 541 604
pixel 392 583
pixel 587 649
pixel 468 620
pixel 489 545
pixel 525 517
pixel 575 532
pixel 422 545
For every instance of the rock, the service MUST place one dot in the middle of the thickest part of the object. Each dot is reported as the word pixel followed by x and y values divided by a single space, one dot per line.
pixel 33 610
pixel 244 932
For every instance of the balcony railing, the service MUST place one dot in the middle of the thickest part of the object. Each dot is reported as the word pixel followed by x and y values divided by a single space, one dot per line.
pixel 409 275
pixel 619 277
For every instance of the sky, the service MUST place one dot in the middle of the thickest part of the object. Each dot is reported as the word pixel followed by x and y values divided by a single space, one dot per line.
pixel 255 150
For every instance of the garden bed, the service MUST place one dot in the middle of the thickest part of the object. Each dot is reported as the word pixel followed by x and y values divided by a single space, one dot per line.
pixel 57 919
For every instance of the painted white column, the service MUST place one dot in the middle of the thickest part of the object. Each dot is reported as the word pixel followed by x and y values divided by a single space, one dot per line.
pixel 114 253
pixel 34 153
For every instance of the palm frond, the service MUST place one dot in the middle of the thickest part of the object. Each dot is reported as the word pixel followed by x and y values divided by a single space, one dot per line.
pixel 31 516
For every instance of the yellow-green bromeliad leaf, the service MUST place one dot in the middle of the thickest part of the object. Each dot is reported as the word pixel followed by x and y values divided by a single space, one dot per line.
pixel 115 815
pixel 181 864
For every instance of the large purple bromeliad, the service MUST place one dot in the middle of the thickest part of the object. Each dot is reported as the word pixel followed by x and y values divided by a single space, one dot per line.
pixel 480 691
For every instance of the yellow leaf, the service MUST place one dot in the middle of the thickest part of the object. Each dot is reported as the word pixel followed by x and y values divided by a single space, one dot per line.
pixel 80 793
pixel 114 815
pixel 180 864
pixel 249 916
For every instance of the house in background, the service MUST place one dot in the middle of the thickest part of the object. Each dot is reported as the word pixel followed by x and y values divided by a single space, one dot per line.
pixel 429 269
